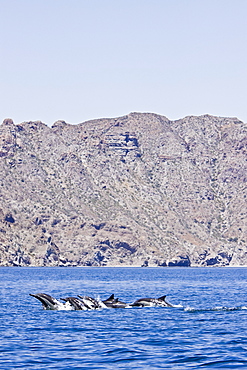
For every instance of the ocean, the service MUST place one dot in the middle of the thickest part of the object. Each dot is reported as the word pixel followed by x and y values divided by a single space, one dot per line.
pixel 206 329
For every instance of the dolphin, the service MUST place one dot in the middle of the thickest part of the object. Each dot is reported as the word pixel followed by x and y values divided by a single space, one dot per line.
pixel 109 301
pixel 50 303
pixel 91 303
pixel 76 303
pixel 151 302
pixel 113 302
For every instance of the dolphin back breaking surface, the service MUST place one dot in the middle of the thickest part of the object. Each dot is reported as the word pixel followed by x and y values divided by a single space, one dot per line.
pixel 152 302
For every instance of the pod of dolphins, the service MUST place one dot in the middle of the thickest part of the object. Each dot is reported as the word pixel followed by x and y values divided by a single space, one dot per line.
pixel 88 303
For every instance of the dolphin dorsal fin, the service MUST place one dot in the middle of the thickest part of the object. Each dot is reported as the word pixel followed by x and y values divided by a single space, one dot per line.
pixel 162 298
pixel 111 297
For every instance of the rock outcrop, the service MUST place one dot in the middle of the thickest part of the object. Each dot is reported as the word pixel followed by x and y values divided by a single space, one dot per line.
pixel 138 190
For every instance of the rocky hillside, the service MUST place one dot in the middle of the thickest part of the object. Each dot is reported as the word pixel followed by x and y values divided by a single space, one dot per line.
pixel 138 190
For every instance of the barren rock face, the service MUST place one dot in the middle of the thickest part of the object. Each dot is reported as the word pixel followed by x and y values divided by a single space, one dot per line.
pixel 137 190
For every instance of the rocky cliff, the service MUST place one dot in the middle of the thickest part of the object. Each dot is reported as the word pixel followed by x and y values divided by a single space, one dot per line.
pixel 138 190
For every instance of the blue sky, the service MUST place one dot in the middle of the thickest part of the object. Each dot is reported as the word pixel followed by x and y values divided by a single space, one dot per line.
pixel 83 59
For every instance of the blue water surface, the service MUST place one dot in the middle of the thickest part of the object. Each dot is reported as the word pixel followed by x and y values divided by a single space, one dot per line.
pixel 207 328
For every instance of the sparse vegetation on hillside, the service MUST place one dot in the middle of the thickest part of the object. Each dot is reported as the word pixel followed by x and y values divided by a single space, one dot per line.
pixel 137 190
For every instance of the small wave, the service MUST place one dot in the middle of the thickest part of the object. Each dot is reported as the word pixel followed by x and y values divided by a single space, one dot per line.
pixel 220 308
pixel 177 306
